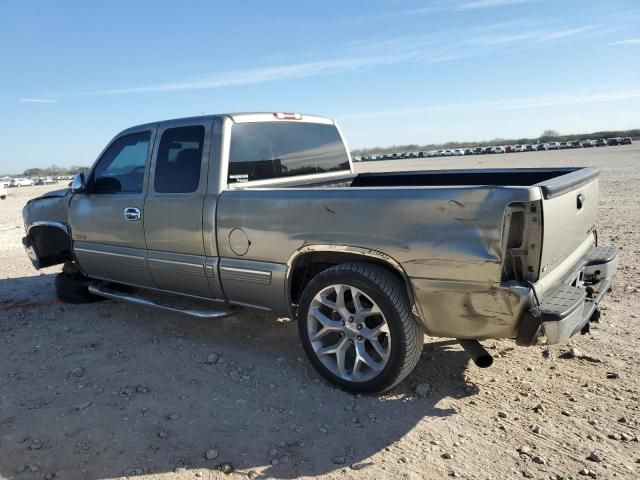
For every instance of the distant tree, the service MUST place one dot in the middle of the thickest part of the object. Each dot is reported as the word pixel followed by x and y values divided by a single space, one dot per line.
pixel 550 134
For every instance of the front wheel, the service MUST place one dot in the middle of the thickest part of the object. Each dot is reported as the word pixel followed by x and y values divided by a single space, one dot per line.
pixel 357 329
pixel 73 287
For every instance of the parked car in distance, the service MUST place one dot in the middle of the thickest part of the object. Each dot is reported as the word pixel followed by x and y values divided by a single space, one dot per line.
pixel 518 148
pixel 508 149
pixel 586 143
pixel 498 150
pixel 553 146
pixel 529 148
pixel 248 217
pixel 477 150
pixel 601 142
pixel 21 182
pixel 540 147
pixel 468 151
pixel 574 144
pixel 612 142
pixel 626 141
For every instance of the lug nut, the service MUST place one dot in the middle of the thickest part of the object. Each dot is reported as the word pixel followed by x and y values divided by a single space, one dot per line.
pixel 351 319
pixel 351 342
pixel 359 326
pixel 359 338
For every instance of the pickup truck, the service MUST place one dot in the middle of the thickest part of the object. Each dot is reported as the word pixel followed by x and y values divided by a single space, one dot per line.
pixel 264 210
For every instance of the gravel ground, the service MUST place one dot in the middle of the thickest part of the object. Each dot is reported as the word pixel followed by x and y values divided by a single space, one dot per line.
pixel 109 390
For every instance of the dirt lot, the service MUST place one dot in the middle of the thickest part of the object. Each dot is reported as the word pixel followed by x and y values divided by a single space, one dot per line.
pixel 109 390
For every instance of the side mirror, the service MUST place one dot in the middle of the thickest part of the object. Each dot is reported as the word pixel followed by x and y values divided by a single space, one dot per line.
pixel 78 183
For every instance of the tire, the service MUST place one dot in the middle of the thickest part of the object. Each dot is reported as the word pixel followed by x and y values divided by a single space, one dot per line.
pixel 73 287
pixel 373 286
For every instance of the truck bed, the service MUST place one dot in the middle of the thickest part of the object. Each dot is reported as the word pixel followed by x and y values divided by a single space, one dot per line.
pixel 552 181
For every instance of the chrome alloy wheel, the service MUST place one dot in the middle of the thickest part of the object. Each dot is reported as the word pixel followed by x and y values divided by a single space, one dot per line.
pixel 348 333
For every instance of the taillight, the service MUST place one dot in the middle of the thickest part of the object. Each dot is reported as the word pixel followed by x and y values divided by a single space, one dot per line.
pixel 287 116
pixel 522 236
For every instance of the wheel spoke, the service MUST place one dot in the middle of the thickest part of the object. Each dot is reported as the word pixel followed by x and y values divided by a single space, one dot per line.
pixel 340 303
pixel 357 301
pixel 363 356
pixel 341 354
pixel 380 350
pixel 319 334
pixel 326 302
pixel 332 349
pixel 365 313
pixel 325 321
pixel 374 333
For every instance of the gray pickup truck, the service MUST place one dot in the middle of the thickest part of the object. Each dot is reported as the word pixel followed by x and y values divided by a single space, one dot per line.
pixel 264 210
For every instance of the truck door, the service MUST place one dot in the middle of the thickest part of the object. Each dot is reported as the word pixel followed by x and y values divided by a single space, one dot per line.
pixel 107 218
pixel 174 206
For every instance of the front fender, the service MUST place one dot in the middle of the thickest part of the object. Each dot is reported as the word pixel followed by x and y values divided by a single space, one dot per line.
pixel 48 238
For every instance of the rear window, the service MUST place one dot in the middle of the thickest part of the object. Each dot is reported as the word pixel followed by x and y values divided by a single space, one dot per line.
pixel 282 149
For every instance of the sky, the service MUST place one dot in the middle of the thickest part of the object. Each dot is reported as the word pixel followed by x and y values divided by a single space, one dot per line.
pixel 75 73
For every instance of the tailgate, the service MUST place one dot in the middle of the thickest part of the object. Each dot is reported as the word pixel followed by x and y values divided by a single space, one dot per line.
pixel 569 209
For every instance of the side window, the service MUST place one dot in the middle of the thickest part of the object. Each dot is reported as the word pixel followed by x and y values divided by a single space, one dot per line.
pixel 179 159
pixel 121 168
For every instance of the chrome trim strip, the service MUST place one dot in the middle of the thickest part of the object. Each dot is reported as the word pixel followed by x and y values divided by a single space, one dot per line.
pixel 99 252
pixel 196 269
pixel 104 291
pixel 245 275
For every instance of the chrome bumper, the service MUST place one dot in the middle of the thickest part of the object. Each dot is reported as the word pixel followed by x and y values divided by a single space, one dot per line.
pixel 568 306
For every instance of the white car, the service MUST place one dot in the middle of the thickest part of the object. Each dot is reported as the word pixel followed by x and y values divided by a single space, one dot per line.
pixel 553 146
pixel 21 182
pixel 498 150
pixel 3 192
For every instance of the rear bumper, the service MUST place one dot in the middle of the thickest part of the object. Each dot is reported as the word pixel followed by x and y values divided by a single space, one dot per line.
pixel 569 305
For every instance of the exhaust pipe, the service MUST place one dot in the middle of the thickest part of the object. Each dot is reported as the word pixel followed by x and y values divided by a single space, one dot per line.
pixel 476 351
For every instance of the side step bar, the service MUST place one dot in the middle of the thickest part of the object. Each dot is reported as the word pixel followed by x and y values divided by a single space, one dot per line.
pixel 103 290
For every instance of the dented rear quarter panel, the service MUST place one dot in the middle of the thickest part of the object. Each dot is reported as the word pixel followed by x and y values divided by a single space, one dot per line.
pixel 446 239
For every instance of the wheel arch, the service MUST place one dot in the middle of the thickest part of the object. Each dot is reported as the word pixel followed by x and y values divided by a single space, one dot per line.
pixel 308 261
pixel 48 243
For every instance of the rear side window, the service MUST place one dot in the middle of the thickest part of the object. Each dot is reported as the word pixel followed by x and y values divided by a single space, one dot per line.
pixel 282 149
pixel 121 168
pixel 179 159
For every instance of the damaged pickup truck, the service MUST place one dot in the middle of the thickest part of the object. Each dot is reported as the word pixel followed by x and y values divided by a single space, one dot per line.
pixel 203 215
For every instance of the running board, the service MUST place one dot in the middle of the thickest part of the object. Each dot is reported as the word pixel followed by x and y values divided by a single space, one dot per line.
pixel 103 290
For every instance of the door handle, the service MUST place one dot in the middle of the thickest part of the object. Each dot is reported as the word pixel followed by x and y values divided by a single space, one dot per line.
pixel 132 214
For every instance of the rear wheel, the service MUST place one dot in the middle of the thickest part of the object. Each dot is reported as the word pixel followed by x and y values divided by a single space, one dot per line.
pixel 356 328
pixel 73 287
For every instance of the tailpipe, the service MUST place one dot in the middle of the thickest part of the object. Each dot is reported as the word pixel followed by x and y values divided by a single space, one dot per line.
pixel 477 352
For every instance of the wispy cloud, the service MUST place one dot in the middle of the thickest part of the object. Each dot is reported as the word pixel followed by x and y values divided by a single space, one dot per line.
pixel 38 100
pixel 474 5
pixel 542 101
pixel 433 47
pixel 259 75
pixel 631 41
